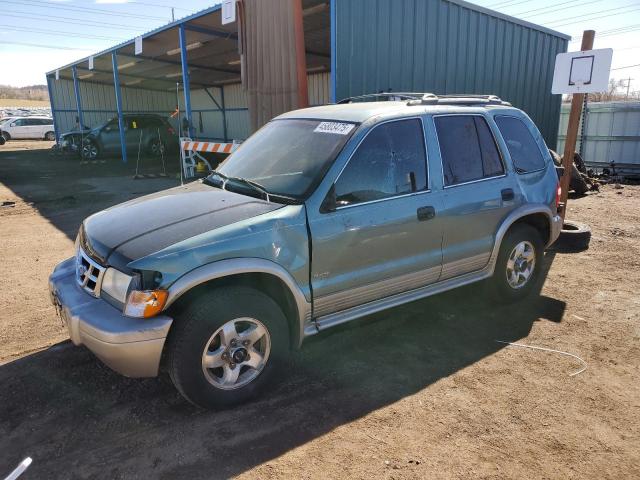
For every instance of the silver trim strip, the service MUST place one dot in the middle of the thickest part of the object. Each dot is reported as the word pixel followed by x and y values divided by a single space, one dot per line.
pixel 373 291
pixel 236 266
pixel 344 316
pixel 465 265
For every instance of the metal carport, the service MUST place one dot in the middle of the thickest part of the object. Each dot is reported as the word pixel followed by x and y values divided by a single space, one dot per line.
pixel 200 55
pixel 352 47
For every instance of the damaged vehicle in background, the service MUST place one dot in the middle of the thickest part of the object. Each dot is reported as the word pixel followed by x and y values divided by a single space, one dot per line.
pixel 145 132
pixel 323 216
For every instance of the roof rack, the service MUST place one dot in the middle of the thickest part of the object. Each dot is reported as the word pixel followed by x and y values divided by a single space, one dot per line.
pixel 415 98
pixel 458 99
pixel 389 96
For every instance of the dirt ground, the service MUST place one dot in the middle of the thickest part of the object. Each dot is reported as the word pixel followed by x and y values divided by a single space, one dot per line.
pixel 421 391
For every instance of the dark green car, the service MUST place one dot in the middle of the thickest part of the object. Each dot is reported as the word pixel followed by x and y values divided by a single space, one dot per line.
pixel 146 133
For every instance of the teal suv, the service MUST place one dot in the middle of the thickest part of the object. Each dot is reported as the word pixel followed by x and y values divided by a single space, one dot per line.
pixel 324 215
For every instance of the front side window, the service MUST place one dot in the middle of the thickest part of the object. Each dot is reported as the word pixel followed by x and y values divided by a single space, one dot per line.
pixel 19 123
pixel 289 156
pixel 390 161
pixel 522 147
pixel 468 149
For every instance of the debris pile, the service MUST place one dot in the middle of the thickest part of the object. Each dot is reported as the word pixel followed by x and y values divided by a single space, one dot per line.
pixel 582 180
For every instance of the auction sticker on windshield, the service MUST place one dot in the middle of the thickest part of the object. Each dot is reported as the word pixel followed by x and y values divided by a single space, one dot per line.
pixel 338 128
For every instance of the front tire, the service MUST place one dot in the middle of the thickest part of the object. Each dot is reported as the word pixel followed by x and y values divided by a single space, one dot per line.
pixel 90 150
pixel 517 270
pixel 227 346
pixel 50 136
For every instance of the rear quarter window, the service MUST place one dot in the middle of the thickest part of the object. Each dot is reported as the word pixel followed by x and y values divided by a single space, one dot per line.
pixel 523 148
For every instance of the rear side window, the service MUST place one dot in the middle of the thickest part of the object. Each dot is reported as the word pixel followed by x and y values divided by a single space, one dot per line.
pixel 523 148
pixel 390 161
pixel 468 149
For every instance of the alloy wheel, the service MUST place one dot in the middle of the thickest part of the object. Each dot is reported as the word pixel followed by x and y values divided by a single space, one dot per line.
pixel 521 264
pixel 236 353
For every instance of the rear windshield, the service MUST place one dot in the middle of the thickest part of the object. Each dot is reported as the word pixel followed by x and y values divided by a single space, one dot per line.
pixel 289 156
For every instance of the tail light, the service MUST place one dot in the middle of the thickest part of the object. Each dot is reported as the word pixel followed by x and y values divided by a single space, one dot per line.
pixel 558 195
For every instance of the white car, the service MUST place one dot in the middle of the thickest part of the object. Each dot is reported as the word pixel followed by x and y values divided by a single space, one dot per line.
pixel 28 128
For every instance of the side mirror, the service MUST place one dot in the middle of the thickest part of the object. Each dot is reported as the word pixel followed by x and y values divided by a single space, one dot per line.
pixel 329 202
pixel 13 124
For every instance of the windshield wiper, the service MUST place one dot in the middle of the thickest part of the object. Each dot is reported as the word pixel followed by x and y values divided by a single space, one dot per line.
pixel 224 178
pixel 253 184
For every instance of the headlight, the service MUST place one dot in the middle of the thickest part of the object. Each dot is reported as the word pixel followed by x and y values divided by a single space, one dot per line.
pixel 145 303
pixel 116 284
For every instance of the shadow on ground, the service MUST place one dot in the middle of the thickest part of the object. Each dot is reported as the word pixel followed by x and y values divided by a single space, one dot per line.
pixel 77 418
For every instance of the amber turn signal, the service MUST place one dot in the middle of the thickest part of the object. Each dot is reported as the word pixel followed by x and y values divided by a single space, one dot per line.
pixel 145 303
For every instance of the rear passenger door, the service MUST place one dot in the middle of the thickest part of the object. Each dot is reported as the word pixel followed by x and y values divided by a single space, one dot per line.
pixel 479 194
pixel 32 128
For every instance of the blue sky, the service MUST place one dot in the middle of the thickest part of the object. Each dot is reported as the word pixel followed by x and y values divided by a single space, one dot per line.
pixel 39 35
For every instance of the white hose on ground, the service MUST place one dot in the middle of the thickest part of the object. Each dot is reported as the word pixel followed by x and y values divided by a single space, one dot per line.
pixel 20 469
pixel 550 350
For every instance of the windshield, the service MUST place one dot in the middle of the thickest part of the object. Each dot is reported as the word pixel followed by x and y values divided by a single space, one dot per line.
pixel 289 157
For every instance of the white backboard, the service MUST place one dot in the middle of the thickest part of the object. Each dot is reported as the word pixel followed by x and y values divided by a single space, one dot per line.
pixel 582 72
pixel 228 11
pixel 138 46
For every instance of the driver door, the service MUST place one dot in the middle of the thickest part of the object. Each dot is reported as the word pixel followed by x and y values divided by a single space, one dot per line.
pixel 382 235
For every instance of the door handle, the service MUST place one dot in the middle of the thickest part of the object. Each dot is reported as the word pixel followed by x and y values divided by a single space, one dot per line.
pixel 426 213
pixel 507 194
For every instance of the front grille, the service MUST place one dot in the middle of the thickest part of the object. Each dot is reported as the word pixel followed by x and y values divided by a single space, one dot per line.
pixel 88 273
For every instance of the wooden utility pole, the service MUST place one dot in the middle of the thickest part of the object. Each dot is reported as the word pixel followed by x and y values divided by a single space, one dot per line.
pixel 301 55
pixel 577 101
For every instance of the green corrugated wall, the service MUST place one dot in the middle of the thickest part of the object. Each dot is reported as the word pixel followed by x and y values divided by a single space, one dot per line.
pixel 446 46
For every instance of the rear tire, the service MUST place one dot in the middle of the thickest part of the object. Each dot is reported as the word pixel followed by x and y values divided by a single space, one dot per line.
pixel 156 148
pixel 209 335
pixel 519 263
pixel 50 136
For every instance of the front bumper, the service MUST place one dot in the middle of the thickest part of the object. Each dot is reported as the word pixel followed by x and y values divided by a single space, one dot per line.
pixel 130 346
pixel 556 226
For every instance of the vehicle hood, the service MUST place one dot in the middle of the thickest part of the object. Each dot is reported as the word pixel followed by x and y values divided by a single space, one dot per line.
pixel 76 132
pixel 139 227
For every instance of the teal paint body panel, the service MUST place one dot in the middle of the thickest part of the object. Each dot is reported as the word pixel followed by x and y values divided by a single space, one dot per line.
pixel 279 236
pixel 444 47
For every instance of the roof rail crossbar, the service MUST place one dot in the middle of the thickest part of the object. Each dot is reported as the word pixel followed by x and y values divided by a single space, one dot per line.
pixel 400 95
pixel 459 99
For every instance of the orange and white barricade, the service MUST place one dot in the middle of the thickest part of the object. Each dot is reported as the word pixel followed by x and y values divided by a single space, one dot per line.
pixel 190 157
